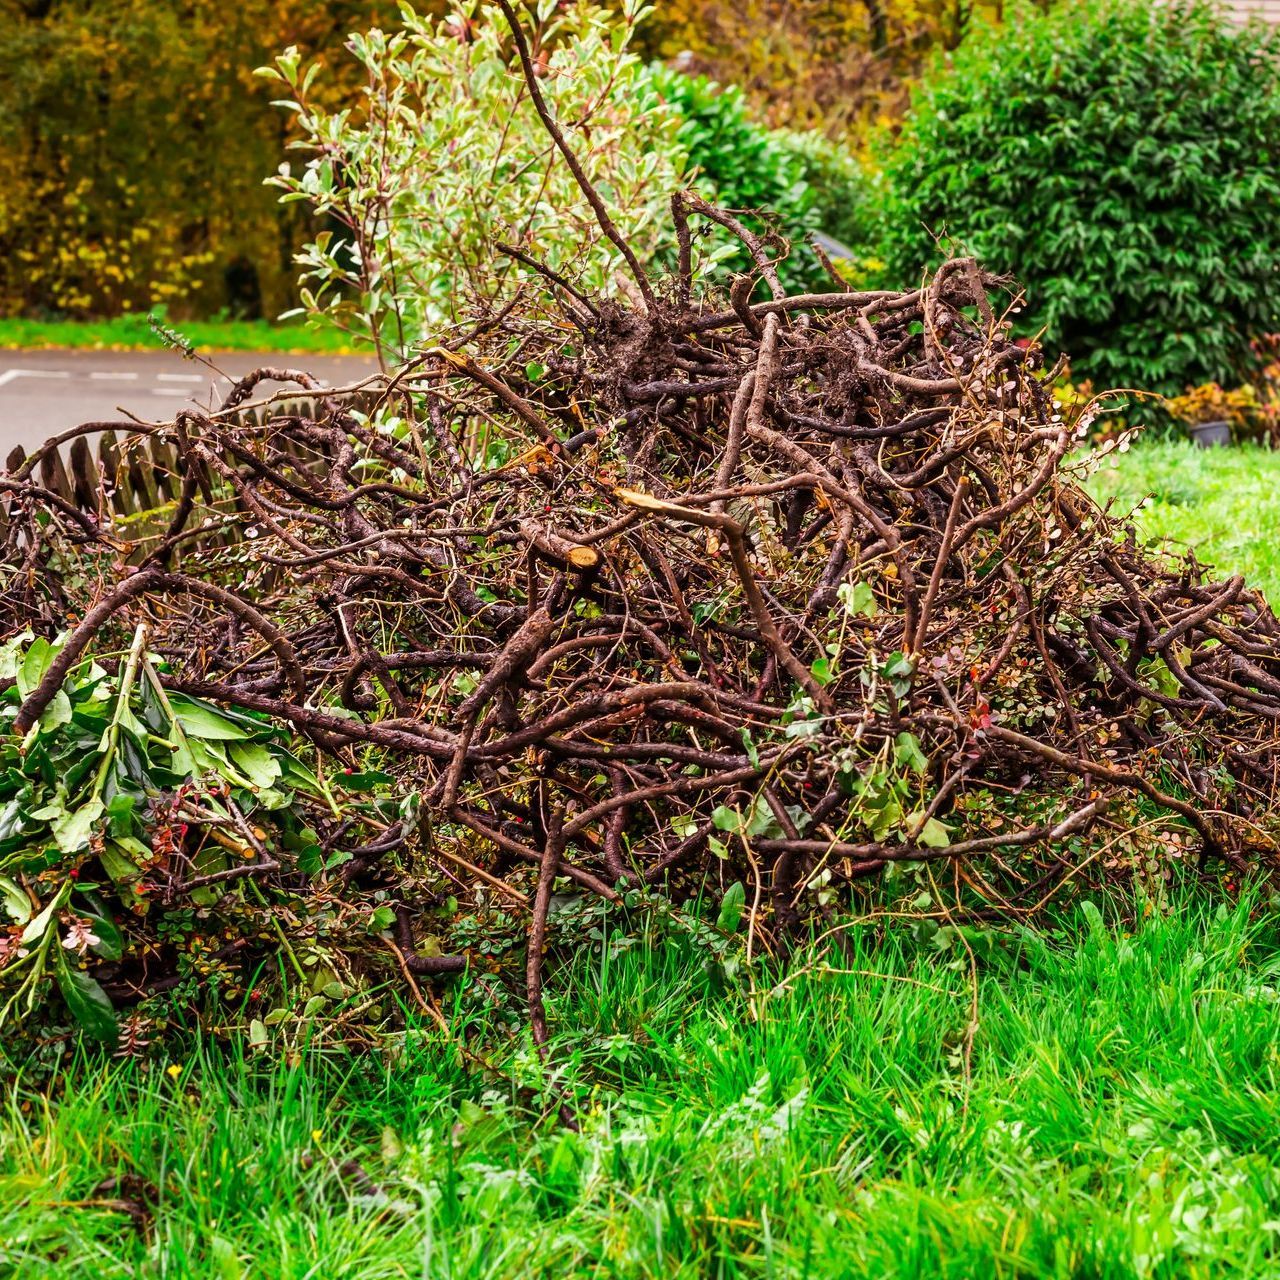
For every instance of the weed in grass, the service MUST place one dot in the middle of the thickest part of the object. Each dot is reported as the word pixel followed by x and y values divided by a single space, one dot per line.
pixel 1121 1121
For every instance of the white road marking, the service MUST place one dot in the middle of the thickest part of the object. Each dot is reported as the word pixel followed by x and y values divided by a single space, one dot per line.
pixel 179 377
pixel 99 376
pixel 168 391
pixel 10 374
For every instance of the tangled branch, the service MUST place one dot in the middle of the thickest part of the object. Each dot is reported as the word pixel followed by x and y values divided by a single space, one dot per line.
pixel 793 591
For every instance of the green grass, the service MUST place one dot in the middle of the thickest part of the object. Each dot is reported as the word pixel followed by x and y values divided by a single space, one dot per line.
pixel 1122 1119
pixel 1223 504
pixel 133 333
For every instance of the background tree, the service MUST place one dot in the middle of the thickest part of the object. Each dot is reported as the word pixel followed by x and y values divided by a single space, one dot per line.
pixel 829 64
pixel 134 140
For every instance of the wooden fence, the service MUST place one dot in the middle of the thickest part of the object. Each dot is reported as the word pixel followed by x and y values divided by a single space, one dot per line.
pixel 134 481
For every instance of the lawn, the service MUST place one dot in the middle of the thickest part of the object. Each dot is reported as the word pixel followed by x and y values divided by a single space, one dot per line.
pixel 133 333
pixel 1097 1100
pixel 1121 1119
pixel 1223 504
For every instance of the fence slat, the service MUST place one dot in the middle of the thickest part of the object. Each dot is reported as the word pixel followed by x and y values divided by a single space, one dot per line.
pixel 84 476
pixel 164 464
pixel 114 474
pixel 53 475
pixel 142 479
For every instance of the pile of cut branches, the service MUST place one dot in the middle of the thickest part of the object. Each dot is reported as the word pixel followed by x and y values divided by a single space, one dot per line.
pixel 792 591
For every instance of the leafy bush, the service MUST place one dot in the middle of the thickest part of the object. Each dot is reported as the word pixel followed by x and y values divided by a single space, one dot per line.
pixel 802 180
pixel 446 159
pixel 743 165
pixel 847 195
pixel 1123 161
pixel 1211 402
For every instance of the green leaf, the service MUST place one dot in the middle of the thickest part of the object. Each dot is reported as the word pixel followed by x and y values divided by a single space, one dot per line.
pixel 117 864
pixel 761 821
pixel 110 944
pixel 35 662
pixel 907 752
pixel 184 762
pixel 899 667
pixel 726 819
pixel 53 809
pixel 222 1251
pixel 857 598
pixel 311 860
pixel 211 757
pixel 297 775
pixel 16 903
pixel 1093 917
pixel 821 671
pixel 88 1003
pixel 58 712
pixel 198 721
pixel 272 799
pixel 380 918
pixel 256 763
pixel 120 811
pixel 36 928
pixel 933 835
pixel 11 654
pixel 731 905
pixel 71 831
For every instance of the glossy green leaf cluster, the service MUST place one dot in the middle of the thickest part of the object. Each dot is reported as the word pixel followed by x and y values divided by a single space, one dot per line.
pixel 118 788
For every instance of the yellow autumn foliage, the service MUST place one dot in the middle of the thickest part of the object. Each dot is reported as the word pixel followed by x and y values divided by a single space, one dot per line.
pixel 836 65
pixel 134 142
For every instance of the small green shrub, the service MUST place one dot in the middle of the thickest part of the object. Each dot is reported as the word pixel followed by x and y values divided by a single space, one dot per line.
pixel 1123 162
pixel 803 181
pixel 445 159
pixel 847 200
pixel 741 165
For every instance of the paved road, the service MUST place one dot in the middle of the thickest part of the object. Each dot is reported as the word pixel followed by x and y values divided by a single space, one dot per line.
pixel 44 392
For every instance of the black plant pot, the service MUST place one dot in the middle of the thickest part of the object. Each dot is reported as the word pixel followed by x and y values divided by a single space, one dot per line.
pixel 1211 435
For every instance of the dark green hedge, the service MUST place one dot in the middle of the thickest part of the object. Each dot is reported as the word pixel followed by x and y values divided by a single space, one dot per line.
pixel 1122 161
